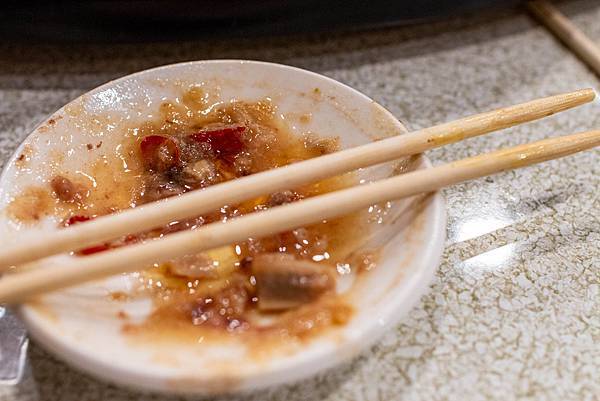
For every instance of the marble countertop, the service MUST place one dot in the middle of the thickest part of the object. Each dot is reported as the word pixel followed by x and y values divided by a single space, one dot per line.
pixel 514 310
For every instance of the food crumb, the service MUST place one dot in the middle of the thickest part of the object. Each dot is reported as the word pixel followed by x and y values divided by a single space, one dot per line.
pixel 119 296
pixel 321 146
pixel 25 156
pixel 89 146
pixel 66 190
pixel 305 118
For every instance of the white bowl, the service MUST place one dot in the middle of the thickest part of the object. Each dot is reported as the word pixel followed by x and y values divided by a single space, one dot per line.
pixel 80 326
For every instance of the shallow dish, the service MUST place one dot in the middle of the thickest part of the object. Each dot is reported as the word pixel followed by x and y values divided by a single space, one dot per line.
pixel 84 325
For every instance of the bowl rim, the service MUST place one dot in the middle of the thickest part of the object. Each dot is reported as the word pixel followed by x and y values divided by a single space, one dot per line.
pixel 415 285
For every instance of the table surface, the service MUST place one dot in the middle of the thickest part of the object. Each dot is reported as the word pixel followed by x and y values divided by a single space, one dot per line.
pixel 514 310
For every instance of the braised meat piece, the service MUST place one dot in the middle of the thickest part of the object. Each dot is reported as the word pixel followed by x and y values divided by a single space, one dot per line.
pixel 66 190
pixel 201 173
pixel 224 141
pixel 224 309
pixel 159 153
pixel 159 187
pixel 282 197
pixel 284 282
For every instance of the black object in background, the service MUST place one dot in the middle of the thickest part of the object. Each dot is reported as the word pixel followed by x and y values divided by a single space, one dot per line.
pixel 122 20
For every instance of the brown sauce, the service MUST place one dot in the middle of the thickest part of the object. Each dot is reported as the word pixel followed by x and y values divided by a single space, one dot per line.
pixel 189 147
pixel 32 205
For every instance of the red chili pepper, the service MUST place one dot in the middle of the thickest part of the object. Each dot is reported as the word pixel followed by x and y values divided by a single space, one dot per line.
pixel 130 238
pixel 224 142
pixel 159 152
pixel 76 219
pixel 94 249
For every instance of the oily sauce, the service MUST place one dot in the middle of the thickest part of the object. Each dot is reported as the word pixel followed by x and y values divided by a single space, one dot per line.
pixel 191 145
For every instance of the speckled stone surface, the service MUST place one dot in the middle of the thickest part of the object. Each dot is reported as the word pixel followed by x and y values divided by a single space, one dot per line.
pixel 514 311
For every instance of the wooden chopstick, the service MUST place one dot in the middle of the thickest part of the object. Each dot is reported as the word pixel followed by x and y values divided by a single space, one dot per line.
pixel 568 32
pixel 19 287
pixel 197 202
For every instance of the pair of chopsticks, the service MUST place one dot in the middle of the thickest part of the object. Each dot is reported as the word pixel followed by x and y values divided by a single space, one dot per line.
pixel 567 32
pixel 19 287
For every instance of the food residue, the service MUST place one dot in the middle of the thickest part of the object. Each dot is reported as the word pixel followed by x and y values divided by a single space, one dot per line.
pixel 281 285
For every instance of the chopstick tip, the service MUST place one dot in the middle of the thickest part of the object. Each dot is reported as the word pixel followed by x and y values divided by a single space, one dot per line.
pixel 592 93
